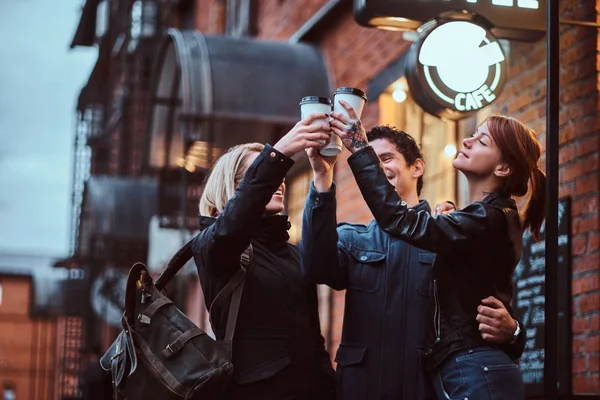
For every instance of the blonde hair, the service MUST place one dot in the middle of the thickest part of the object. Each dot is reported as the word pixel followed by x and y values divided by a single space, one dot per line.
pixel 224 178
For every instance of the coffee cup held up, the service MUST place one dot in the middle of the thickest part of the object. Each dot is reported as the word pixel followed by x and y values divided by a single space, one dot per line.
pixel 315 104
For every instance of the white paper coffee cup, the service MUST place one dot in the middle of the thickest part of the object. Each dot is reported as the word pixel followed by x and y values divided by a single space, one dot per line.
pixel 315 105
pixel 357 99
pixel 353 96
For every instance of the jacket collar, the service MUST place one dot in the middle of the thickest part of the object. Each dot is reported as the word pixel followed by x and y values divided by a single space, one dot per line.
pixel 501 199
pixel 423 205
pixel 205 222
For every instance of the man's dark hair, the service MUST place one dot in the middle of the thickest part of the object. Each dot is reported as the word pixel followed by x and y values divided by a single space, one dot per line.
pixel 405 144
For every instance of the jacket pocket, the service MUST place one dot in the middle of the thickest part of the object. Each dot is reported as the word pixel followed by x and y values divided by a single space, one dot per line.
pixel 261 372
pixel 425 272
pixel 351 372
pixel 364 274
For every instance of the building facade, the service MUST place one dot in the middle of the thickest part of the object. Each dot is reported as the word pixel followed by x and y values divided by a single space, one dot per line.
pixel 33 332
pixel 138 122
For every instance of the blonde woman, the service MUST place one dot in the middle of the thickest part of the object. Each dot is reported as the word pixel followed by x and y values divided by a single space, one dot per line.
pixel 278 349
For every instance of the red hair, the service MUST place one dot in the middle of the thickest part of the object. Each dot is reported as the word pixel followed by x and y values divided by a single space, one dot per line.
pixel 521 151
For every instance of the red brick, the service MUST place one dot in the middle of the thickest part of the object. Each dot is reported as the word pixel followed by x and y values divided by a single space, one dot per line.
pixel 579 364
pixel 566 153
pixel 587 262
pixel 576 91
pixel 587 283
pixel 573 171
pixel 587 184
pixel 593 242
pixel 595 322
pixel 566 190
pixel 591 163
pixel 593 363
pixel 575 53
pixel 578 245
pixel 580 325
pixel 586 384
pixel 585 107
pixel 585 224
pixel 520 102
pixel 589 302
pixel 586 205
pixel 592 344
pixel 578 345
pixel 588 145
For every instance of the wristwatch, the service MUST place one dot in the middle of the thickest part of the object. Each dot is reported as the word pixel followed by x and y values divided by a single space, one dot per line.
pixel 516 332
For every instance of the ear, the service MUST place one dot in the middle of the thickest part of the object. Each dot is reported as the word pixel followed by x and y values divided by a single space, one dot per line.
pixel 502 170
pixel 418 168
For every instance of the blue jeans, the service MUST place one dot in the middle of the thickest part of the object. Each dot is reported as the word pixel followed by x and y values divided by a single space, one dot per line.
pixel 480 373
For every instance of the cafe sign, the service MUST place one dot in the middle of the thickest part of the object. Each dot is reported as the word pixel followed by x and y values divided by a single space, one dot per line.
pixel 455 69
pixel 507 19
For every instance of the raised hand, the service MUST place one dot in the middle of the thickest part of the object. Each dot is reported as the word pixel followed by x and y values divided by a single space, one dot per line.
pixel 349 128
pixel 444 208
pixel 322 169
pixel 304 135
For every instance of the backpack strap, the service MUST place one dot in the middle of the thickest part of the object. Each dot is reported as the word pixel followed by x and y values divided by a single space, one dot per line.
pixel 179 259
pixel 233 288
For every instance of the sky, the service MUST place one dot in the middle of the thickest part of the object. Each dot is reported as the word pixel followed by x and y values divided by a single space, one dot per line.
pixel 40 80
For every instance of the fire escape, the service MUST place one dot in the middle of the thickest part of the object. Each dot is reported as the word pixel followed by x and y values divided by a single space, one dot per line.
pixel 109 147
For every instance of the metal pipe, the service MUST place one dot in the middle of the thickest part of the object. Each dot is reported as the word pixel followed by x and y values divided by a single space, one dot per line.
pixel 551 245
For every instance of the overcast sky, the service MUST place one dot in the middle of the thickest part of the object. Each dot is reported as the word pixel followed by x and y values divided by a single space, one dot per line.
pixel 40 79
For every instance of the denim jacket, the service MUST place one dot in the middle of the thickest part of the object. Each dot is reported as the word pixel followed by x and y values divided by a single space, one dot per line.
pixel 389 301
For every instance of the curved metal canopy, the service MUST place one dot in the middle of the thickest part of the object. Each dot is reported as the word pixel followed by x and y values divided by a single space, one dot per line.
pixel 221 91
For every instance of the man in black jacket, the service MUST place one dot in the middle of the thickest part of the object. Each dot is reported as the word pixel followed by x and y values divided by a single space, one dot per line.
pixel 389 306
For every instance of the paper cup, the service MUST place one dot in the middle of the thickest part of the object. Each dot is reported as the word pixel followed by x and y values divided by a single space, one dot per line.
pixel 357 99
pixel 315 105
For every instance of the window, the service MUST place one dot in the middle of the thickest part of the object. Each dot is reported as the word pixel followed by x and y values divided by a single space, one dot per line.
pixel 296 191
pixel 437 139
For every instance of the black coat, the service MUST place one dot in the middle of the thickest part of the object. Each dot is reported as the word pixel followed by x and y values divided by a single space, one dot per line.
pixel 278 349
pixel 477 251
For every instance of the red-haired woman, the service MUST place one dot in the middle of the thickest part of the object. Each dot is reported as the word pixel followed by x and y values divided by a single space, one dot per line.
pixel 477 247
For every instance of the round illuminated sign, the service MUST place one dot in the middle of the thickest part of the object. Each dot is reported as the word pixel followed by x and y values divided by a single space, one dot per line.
pixel 455 70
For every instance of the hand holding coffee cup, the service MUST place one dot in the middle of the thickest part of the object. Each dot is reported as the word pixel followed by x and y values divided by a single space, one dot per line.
pixel 308 133
pixel 354 97
pixel 310 105
pixel 348 128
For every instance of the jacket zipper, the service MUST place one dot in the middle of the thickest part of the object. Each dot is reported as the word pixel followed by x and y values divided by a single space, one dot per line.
pixel 436 314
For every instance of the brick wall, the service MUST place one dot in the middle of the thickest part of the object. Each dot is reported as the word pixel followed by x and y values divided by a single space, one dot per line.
pixel 27 347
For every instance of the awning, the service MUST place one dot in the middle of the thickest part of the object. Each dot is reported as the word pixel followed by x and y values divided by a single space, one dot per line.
pixel 223 91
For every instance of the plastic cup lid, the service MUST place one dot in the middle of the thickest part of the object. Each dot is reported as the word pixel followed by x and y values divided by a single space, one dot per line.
pixel 351 90
pixel 315 99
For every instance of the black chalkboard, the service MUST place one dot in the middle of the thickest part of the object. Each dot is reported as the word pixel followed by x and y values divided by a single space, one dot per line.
pixel 529 300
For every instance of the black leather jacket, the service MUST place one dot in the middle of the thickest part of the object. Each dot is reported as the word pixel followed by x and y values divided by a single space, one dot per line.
pixel 278 349
pixel 477 251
